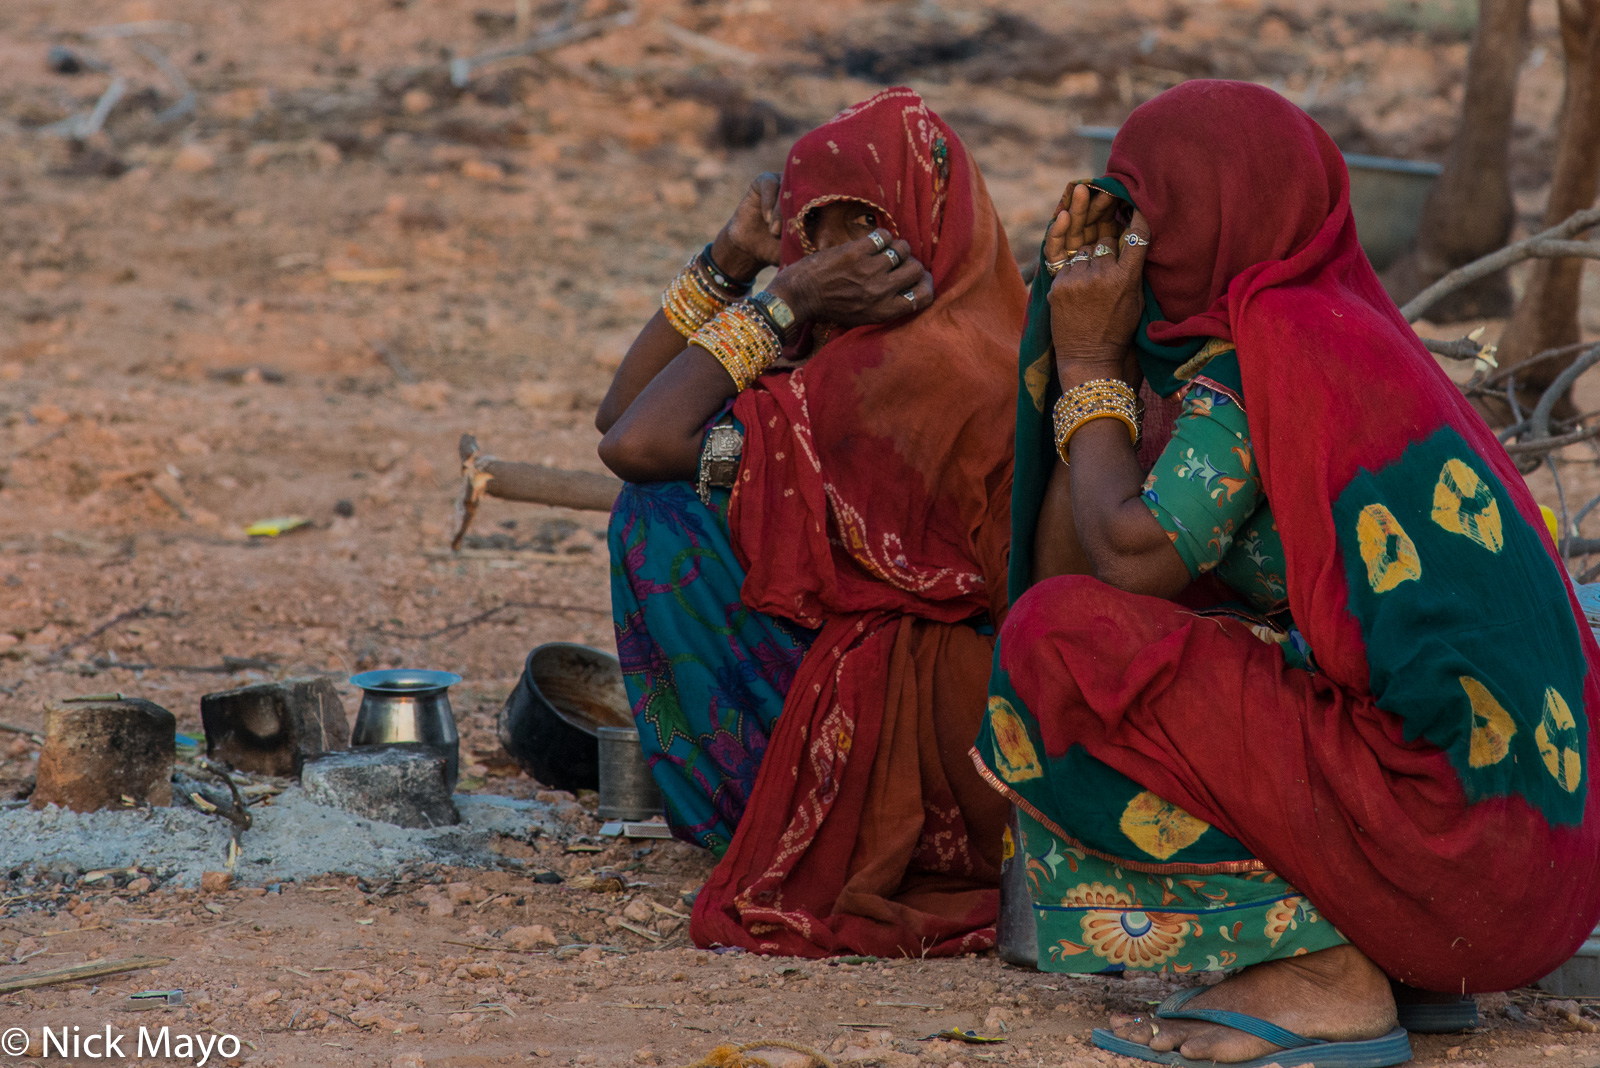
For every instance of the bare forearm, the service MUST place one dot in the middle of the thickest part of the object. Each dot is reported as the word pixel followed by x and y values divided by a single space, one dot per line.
pixel 1120 538
pixel 658 437
pixel 657 345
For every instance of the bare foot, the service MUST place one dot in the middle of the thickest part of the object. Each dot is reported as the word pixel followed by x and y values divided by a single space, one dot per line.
pixel 1336 994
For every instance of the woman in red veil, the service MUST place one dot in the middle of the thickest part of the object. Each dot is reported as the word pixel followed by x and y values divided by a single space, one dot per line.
pixel 809 558
pixel 1309 697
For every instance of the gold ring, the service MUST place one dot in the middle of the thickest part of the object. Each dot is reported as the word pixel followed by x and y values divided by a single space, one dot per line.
pixel 1101 250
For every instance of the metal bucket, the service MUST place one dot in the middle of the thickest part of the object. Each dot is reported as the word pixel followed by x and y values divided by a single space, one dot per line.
pixel 1580 976
pixel 1386 195
pixel 627 789
pixel 409 707
pixel 1016 938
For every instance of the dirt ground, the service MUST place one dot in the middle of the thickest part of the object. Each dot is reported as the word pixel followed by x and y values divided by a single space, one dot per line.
pixel 291 301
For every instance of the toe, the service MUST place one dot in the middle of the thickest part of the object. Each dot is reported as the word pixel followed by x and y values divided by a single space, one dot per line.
pixel 1132 1028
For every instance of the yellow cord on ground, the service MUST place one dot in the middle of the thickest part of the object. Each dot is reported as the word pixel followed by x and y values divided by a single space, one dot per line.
pixel 735 1056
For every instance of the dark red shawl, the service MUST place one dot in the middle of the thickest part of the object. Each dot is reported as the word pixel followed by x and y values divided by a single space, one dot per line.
pixel 873 502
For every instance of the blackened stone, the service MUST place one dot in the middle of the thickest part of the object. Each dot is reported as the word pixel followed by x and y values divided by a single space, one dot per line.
pixel 95 753
pixel 402 784
pixel 274 727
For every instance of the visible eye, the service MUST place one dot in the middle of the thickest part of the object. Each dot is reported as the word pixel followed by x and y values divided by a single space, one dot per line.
pixel 868 219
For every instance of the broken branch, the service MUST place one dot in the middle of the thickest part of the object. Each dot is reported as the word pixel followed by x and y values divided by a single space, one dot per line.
pixel 483 617
pixel 1551 244
pixel 92 970
pixel 560 36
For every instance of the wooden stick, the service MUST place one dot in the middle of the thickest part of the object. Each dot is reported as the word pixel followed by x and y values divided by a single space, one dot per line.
pixel 533 483
pixel 27 732
pixel 92 970
pixel 1552 243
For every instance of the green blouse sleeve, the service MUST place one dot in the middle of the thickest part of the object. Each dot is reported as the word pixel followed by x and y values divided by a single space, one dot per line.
pixel 1204 488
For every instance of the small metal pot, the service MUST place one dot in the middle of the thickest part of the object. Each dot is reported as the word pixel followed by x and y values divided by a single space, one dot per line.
pixel 627 789
pixel 409 706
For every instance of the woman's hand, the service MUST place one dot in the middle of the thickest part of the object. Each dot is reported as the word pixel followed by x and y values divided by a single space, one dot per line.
pixel 1084 216
pixel 854 284
pixel 751 239
pixel 1095 305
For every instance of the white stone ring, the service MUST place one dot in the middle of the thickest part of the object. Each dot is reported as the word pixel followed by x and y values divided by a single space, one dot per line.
pixel 911 295
pixel 1101 250
pixel 877 241
pixel 894 257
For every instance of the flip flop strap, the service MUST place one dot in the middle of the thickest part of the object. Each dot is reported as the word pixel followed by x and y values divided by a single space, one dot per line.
pixel 1250 1025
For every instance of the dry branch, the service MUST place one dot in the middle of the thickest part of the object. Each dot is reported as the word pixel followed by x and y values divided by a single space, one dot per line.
pixel 1551 244
pixel 560 36
pixel 1461 348
pixel 92 970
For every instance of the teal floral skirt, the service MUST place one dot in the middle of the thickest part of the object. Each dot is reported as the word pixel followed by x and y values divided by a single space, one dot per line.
pixel 706 676
pixel 1122 880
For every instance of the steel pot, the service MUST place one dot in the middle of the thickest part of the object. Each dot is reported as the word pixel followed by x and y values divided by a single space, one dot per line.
pixel 404 705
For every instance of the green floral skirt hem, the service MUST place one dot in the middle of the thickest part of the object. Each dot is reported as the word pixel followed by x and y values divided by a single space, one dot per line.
pixel 1092 915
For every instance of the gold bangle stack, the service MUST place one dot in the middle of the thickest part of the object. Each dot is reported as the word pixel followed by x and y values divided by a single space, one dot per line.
pixel 1102 398
pixel 691 299
pixel 740 339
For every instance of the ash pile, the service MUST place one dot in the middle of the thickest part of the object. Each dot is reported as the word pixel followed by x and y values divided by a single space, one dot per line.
pixel 273 793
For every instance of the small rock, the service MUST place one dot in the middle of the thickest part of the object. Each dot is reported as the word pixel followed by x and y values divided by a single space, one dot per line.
pixel 527 938
pixel 408 1060
pixel 481 170
pixel 96 753
pixel 402 784
pixel 998 1019
pixel 644 1056
pixel 439 905
pixel 639 911
pixel 139 886
pixel 460 1019
pixel 274 727
pixel 193 159
pixel 263 999
pixel 215 882
pixel 459 893
pixel 424 396
pixel 415 101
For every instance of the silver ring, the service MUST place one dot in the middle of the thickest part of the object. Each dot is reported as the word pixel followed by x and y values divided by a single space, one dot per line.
pixel 1134 239
pixel 1101 250
pixel 1082 256
pixel 877 241
pixel 894 257
pixel 911 295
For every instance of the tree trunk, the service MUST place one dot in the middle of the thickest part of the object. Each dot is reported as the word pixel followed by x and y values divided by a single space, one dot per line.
pixel 1547 315
pixel 1470 213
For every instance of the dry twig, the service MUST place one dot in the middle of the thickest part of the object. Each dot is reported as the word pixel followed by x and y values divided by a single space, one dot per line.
pixel 1551 244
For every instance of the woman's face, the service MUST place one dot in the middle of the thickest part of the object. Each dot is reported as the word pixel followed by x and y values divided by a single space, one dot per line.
pixel 838 222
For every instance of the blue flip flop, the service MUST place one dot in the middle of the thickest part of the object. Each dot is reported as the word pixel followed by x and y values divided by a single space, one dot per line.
pixel 1296 1051
pixel 1438 1018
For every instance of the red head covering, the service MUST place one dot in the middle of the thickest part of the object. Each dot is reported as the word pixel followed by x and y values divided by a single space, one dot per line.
pixel 883 466
pixel 1200 187
pixel 873 501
